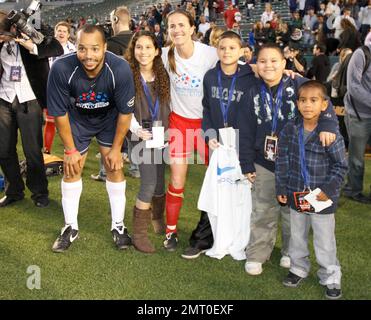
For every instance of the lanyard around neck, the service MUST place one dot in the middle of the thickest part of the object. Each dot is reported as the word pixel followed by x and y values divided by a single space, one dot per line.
pixel 274 106
pixel 224 107
pixel 303 165
pixel 11 52
pixel 153 109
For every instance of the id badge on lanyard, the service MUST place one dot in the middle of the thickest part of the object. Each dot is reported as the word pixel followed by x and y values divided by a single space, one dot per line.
pixel 15 71
pixel 271 141
pixel 301 204
pixel 270 148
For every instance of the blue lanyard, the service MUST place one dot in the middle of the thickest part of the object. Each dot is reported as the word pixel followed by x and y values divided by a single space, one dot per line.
pixel 303 166
pixel 16 55
pixel 273 106
pixel 224 107
pixel 153 109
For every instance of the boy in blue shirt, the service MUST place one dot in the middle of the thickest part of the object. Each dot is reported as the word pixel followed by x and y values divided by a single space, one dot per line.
pixel 304 164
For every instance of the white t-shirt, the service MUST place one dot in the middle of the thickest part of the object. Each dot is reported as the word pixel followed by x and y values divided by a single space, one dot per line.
pixel 334 9
pixel 226 197
pixel 186 87
pixel 69 47
pixel 203 27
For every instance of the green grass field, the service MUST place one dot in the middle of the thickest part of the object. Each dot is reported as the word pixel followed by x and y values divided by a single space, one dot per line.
pixel 94 269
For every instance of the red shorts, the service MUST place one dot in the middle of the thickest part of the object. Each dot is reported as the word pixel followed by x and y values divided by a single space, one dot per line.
pixel 185 137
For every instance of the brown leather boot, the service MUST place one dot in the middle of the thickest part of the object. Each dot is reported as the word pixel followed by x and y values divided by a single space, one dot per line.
pixel 141 220
pixel 158 209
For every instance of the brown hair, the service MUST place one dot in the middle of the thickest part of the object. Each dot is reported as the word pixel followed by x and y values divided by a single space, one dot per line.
pixel 231 35
pixel 4 21
pixel 346 24
pixel 171 55
pixel 162 82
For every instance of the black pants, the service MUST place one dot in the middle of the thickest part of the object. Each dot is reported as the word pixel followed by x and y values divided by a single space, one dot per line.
pixel 202 237
pixel 27 117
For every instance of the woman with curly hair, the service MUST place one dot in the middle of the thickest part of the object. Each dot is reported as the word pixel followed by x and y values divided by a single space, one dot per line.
pixel 152 100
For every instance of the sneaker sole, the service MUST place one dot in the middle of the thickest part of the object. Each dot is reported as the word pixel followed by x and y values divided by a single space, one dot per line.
pixel 254 273
pixel 170 249
pixel 123 247
pixel 290 285
pixel 59 250
pixel 333 298
pixel 194 256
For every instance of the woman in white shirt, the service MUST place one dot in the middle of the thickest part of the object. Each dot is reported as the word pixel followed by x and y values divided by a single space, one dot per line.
pixel 187 62
pixel 267 15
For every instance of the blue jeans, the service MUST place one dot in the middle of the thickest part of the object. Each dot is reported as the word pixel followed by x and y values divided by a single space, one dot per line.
pixel 359 133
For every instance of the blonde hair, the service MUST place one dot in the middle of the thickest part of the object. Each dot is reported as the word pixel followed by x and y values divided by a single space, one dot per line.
pixel 63 24
pixel 122 13
pixel 215 34
pixel 344 53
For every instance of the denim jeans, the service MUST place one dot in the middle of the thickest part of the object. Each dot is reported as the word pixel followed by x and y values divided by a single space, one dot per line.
pixel 27 117
pixel 359 133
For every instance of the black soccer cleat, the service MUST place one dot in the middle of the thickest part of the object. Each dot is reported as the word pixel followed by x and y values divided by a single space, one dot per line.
pixel 121 238
pixel 64 240
pixel 171 241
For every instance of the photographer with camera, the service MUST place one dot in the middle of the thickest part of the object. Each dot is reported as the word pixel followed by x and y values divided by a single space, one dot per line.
pixel 24 70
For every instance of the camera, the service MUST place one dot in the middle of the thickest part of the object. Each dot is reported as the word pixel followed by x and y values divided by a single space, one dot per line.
pixel 19 19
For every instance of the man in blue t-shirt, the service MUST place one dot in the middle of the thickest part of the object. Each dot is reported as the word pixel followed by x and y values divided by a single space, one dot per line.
pixel 91 94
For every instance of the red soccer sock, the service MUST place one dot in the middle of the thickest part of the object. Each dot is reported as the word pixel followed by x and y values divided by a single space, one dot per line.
pixel 174 201
pixel 49 133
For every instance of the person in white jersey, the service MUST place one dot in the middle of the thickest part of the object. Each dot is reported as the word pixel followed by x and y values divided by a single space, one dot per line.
pixel 187 62
pixel 62 32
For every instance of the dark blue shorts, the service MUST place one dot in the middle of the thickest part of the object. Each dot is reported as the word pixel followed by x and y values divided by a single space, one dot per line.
pixel 85 128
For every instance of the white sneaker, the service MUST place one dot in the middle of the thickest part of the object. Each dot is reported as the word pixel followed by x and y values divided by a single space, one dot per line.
pixel 285 262
pixel 253 268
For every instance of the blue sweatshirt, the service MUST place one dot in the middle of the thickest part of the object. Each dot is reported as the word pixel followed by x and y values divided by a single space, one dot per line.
pixel 259 122
pixel 212 114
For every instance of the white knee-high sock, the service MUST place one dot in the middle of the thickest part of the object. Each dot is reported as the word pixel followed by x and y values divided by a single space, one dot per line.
pixel 117 199
pixel 71 192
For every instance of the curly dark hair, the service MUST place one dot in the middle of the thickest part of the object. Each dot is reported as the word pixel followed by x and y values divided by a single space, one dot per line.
pixel 162 83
